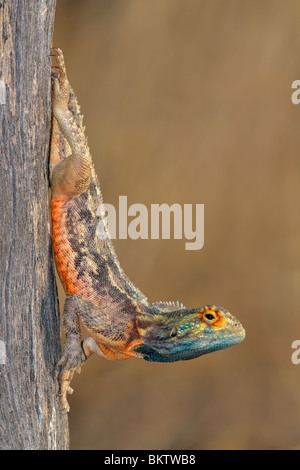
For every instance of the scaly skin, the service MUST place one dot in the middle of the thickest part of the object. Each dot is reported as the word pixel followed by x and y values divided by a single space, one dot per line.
pixel 120 321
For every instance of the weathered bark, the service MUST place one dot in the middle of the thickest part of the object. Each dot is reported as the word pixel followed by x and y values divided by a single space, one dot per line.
pixel 29 316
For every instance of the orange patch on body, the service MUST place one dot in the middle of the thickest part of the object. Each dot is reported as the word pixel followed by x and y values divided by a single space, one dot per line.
pixel 117 350
pixel 135 342
pixel 64 256
pixel 114 354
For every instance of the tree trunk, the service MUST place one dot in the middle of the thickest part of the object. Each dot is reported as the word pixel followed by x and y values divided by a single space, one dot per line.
pixel 30 416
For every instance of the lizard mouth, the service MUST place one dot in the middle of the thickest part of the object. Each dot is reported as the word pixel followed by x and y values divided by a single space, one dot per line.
pixel 242 332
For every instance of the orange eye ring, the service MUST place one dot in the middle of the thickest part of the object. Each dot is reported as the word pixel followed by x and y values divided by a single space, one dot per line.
pixel 212 318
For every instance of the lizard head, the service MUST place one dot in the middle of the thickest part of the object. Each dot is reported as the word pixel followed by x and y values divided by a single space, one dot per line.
pixel 171 334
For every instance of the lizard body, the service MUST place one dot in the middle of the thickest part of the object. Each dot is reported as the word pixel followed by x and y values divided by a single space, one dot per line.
pixel 120 321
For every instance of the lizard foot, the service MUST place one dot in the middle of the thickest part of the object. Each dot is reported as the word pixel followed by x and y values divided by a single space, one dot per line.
pixel 71 362
pixel 61 86
pixel 64 390
pixel 58 54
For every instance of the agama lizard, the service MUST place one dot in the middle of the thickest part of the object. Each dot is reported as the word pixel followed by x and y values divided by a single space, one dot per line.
pixel 120 321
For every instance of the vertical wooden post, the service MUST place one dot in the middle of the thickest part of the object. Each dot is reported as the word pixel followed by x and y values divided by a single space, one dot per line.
pixel 29 317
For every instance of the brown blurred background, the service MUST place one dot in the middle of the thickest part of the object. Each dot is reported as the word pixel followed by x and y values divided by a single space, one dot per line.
pixel 190 102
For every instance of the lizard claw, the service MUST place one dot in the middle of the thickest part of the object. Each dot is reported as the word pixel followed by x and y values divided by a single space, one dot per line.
pixel 70 362
pixel 65 389
pixel 59 77
pixel 58 54
pixel 56 72
pixel 55 51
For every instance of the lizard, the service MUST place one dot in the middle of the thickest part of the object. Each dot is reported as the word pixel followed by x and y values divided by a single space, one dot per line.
pixel 117 316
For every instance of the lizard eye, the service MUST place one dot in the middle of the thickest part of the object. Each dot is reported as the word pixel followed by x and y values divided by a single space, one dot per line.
pixel 210 317
pixel 173 332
